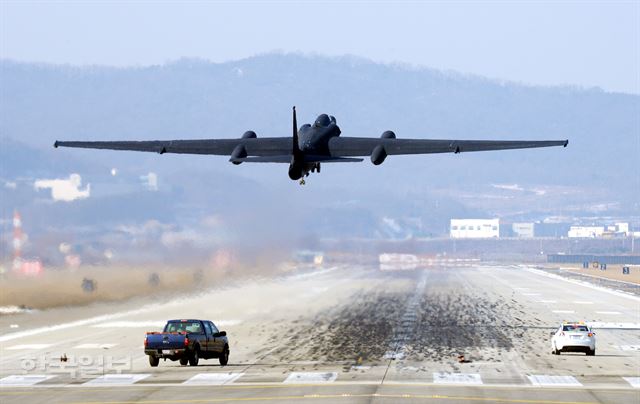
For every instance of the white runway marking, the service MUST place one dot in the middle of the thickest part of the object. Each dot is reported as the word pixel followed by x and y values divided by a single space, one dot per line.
pixel 547 301
pixel 64 326
pixel 94 346
pixel 633 381
pixel 563 311
pixel 14 310
pixel 116 379
pixel 531 294
pixel 629 347
pixel 29 346
pixel 23 380
pixel 311 377
pixel 554 381
pixel 608 312
pixel 456 378
pixel 582 302
pixel 216 379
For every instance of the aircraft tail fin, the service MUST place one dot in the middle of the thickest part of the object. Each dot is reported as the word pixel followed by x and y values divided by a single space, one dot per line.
pixel 296 145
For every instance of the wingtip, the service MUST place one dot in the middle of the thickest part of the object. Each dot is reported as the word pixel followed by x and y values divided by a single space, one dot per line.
pixel 55 144
pixel 566 143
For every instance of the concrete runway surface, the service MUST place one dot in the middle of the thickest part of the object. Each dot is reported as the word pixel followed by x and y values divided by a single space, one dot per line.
pixel 344 334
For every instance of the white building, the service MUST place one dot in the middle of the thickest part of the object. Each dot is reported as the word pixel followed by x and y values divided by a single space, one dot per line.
pixel 623 228
pixel 523 230
pixel 585 231
pixel 474 228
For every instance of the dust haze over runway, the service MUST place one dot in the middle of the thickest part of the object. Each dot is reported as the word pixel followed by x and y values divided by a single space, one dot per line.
pixel 345 333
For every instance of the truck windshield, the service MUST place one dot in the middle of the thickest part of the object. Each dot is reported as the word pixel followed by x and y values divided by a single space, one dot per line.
pixel 193 327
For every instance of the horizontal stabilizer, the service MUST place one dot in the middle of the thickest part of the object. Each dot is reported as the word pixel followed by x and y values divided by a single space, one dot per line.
pixel 330 159
pixel 285 158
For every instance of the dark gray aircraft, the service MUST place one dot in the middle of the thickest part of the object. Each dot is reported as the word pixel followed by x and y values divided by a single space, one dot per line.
pixel 310 146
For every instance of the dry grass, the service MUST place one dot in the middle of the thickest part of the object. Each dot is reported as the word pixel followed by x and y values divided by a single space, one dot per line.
pixel 56 288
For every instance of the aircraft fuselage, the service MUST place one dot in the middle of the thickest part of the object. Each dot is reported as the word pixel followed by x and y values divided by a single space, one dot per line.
pixel 313 140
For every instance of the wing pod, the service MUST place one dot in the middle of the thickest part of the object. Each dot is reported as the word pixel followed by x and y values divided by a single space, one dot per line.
pixel 378 155
pixel 238 154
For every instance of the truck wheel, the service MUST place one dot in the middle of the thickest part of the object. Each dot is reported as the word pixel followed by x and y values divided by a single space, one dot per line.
pixel 154 360
pixel 556 351
pixel 195 357
pixel 184 360
pixel 224 356
pixel 591 353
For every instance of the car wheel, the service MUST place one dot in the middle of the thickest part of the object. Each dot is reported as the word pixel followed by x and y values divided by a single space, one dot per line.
pixel 184 360
pixel 195 357
pixel 153 360
pixel 224 356
pixel 591 352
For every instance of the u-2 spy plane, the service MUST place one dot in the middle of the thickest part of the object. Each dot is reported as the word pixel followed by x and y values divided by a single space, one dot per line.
pixel 310 146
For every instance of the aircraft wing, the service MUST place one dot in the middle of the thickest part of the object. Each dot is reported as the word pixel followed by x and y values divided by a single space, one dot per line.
pixel 361 146
pixel 274 146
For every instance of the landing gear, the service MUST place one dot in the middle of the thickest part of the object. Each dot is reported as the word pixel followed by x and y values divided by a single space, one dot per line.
pixel 302 181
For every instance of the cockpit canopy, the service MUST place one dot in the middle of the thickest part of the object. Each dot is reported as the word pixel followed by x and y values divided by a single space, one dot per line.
pixel 324 120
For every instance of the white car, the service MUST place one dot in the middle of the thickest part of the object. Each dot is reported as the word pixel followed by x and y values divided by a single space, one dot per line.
pixel 573 337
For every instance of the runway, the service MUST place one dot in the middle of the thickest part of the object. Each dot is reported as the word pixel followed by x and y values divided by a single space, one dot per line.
pixel 342 334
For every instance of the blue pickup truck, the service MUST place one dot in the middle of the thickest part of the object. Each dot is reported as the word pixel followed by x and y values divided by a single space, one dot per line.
pixel 187 341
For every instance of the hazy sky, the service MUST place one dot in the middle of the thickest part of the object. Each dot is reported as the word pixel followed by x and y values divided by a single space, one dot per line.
pixel 583 43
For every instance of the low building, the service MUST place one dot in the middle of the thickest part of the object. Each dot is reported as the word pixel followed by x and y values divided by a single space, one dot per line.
pixel 523 230
pixel 585 231
pixel 474 228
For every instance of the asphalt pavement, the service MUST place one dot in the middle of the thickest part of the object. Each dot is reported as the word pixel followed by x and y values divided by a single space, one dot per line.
pixel 341 334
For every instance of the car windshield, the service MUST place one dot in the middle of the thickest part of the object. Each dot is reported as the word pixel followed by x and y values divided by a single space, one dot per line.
pixel 575 327
pixel 184 326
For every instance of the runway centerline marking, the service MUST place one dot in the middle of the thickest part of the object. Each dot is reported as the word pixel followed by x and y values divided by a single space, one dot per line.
pixel 609 312
pixel 29 346
pixel 582 302
pixel 563 311
pixel 555 381
pixel 456 378
pixel 117 379
pixel 311 377
pixel 216 379
pixel 23 380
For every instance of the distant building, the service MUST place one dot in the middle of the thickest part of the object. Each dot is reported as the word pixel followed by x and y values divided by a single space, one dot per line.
pixel 585 231
pixel 474 228
pixel 615 230
pixel 523 230
pixel 623 228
